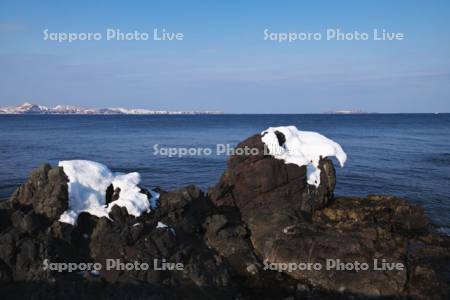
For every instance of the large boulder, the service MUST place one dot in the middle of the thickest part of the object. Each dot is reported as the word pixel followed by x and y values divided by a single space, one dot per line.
pixel 287 221
pixel 362 230
pixel 255 181
pixel 25 218
pixel 45 192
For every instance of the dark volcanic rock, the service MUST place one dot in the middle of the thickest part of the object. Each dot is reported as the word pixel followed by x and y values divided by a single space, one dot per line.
pixel 31 234
pixel 288 221
pixel 45 191
pixel 358 230
pixel 261 213
pixel 112 194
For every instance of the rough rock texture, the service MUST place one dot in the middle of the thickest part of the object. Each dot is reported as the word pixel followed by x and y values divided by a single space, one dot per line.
pixel 288 221
pixel 29 237
pixel 265 180
pixel 45 191
pixel 260 213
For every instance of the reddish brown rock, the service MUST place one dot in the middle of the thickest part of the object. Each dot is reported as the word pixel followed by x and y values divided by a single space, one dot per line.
pixel 288 221
pixel 258 182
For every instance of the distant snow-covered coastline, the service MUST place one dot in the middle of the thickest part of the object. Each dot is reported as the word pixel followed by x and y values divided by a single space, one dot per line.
pixel 29 108
pixel 346 112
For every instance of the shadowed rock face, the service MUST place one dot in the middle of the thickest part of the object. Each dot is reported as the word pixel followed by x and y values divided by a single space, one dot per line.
pixel 45 191
pixel 289 221
pixel 261 212
pixel 257 182
pixel 28 237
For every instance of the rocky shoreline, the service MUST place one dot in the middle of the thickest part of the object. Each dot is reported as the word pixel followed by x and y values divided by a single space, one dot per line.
pixel 233 242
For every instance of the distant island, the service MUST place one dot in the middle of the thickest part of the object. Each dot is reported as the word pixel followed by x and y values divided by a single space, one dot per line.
pixel 35 109
pixel 346 112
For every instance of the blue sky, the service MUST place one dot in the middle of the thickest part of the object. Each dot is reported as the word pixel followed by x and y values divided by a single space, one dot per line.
pixel 223 63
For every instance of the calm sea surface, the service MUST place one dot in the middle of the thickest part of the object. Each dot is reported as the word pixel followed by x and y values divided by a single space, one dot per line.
pixel 406 155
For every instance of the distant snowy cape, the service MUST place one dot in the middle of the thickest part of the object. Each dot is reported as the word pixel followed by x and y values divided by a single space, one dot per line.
pixel 35 109
pixel 303 148
pixel 88 182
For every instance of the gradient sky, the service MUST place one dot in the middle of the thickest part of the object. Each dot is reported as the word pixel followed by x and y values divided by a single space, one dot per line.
pixel 223 63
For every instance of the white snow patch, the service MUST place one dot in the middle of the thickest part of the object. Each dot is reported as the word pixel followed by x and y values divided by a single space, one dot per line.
pixel 303 148
pixel 88 182
pixel 162 225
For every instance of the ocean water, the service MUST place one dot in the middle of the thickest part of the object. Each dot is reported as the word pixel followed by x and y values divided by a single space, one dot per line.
pixel 402 154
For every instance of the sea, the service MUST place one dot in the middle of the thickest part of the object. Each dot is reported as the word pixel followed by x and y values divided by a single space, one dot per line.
pixel 407 155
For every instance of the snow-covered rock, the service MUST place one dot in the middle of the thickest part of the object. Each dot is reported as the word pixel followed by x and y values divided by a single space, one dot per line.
pixel 88 182
pixel 303 148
